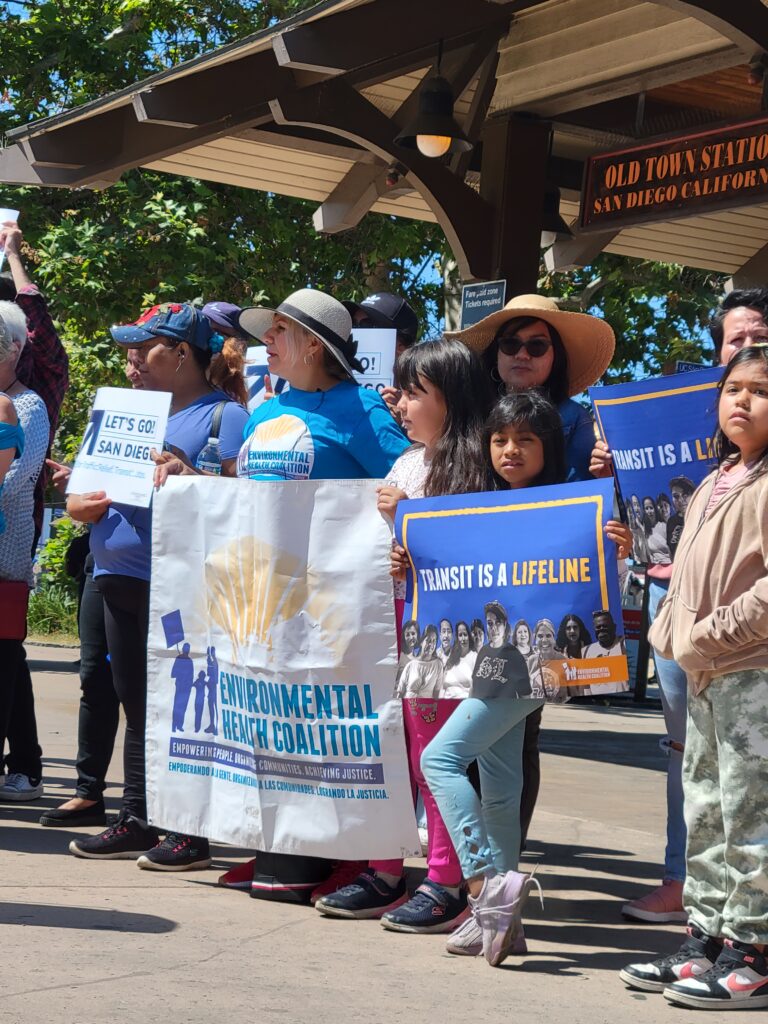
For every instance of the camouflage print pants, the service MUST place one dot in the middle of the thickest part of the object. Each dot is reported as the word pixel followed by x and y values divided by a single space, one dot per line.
pixel 725 781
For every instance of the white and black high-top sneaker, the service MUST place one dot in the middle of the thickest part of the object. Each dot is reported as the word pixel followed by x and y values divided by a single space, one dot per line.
pixel 737 981
pixel 696 955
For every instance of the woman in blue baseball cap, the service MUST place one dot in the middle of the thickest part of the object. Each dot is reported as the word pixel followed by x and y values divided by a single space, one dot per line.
pixel 172 348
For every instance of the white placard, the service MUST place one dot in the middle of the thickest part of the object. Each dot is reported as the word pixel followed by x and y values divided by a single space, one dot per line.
pixel 271 664
pixel 376 351
pixel 125 425
pixel 6 215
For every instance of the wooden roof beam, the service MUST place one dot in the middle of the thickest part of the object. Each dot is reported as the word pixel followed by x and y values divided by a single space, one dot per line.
pixel 339 109
pixel 745 22
pixel 579 251
pixel 366 35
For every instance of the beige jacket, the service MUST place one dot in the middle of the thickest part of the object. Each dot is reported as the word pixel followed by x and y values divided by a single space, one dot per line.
pixel 714 619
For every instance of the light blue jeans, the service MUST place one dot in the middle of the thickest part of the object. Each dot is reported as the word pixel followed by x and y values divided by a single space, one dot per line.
pixel 674 699
pixel 486 836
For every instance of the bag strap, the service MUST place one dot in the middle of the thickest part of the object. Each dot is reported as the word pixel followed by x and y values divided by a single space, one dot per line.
pixel 218 413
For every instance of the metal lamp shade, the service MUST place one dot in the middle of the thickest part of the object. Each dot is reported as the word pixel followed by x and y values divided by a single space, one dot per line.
pixel 435 117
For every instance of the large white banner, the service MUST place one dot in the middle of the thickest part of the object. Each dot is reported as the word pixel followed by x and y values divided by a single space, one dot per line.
pixel 271 666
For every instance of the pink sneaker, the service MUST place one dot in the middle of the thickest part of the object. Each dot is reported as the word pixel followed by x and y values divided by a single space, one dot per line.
pixel 663 905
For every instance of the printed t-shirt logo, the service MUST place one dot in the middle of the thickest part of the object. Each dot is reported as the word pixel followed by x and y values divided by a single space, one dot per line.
pixel 281 448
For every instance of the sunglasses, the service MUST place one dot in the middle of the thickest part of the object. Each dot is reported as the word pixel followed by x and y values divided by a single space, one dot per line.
pixel 511 346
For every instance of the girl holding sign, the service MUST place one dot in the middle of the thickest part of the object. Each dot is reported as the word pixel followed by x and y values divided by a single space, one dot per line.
pixel 444 404
pixel 714 624
pixel 526 449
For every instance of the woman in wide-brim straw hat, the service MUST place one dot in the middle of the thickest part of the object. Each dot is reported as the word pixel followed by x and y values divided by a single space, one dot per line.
pixel 324 426
pixel 532 343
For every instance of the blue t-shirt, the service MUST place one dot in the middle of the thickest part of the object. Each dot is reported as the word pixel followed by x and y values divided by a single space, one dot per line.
pixel 345 433
pixel 121 541
pixel 579 431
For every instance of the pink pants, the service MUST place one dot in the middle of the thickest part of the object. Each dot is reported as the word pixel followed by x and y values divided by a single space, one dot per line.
pixel 422 720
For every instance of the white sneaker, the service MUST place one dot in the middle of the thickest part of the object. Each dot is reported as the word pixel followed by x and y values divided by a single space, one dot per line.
pixel 20 788
pixel 498 910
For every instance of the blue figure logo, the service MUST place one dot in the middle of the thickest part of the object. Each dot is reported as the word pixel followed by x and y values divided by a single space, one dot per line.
pixel 212 684
pixel 183 672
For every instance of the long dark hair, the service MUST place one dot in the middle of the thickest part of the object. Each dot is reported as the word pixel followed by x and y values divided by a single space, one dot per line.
pixel 458 465
pixel 532 411
pixel 723 447
pixel 561 641
pixel 648 527
pixel 455 655
pixel 556 385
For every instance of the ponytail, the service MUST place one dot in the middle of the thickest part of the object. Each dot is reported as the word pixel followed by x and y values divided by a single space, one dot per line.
pixel 226 372
pixel 224 369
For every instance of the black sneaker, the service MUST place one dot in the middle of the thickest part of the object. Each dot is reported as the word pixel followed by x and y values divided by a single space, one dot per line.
pixel 125 840
pixel 367 897
pixel 696 955
pixel 431 909
pixel 738 981
pixel 177 852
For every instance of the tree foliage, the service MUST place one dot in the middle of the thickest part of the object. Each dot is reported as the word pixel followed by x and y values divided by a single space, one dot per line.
pixel 103 256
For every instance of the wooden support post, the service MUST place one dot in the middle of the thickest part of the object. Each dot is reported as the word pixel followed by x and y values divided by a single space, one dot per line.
pixel 513 179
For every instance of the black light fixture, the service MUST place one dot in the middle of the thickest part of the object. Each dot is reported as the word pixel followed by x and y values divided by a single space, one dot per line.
pixel 552 224
pixel 434 131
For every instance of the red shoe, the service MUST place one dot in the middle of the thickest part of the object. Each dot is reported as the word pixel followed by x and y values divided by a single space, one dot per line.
pixel 238 877
pixel 344 873
pixel 661 906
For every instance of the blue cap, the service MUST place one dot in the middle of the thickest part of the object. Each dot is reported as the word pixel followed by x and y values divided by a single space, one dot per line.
pixel 175 320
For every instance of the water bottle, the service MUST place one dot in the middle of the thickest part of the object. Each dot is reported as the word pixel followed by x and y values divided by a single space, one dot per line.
pixel 209 459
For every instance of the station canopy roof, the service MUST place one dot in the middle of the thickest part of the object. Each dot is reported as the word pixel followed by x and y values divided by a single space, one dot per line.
pixel 306 107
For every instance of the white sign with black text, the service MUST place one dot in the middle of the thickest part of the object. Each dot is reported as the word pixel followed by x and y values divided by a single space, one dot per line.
pixel 124 427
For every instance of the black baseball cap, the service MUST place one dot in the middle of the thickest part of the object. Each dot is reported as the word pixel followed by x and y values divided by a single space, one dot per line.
pixel 388 310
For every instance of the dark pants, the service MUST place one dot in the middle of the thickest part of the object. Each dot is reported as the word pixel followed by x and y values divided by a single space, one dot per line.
pixel 126 622
pixel 99 706
pixel 531 771
pixel 17 712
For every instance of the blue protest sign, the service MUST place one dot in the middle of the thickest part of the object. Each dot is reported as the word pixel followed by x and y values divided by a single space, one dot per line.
pixel 173 628
pixel 660 434
pixel 511 594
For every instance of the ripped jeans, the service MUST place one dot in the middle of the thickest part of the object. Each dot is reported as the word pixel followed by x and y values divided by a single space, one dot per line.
pixel 486 835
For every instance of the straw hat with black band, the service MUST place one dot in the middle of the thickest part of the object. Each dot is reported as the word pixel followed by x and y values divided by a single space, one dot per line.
pixel 316 312
pixel 588 341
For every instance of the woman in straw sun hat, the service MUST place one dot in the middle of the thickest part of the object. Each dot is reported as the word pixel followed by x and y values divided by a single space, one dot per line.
pixel 532 343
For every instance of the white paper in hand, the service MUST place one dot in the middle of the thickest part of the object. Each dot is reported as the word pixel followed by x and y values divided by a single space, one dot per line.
pixel 376 352
pixel 6 216
pixel 125 425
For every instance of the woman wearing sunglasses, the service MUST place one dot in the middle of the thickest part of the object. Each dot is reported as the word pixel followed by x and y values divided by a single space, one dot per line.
pixel 531 343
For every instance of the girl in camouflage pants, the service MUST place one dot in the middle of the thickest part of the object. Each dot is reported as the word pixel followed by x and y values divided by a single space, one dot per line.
pixel 714 623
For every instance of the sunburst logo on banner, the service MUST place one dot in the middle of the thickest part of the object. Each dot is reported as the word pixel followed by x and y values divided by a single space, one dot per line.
pixel 252 586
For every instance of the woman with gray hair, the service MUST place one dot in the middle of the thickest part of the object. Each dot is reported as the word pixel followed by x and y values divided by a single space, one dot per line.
pixel 24 779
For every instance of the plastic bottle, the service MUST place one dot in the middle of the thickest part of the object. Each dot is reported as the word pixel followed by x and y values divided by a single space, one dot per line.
pixel 209 459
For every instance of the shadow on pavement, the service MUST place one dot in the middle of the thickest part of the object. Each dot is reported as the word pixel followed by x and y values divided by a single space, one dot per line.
pixel 46 915
pixel 632 749
pixel 38 665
